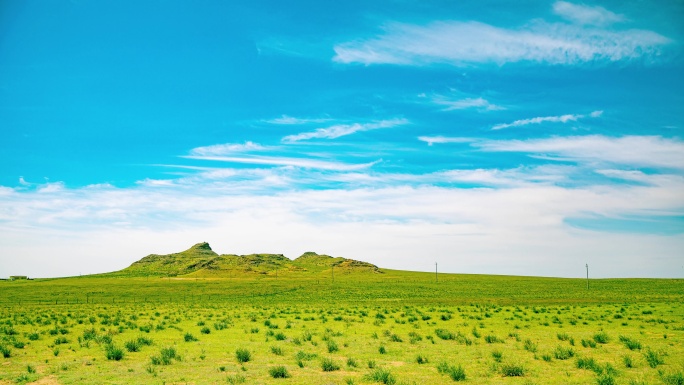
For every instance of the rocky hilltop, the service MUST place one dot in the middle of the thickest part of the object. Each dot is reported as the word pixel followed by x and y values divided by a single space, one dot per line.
pixel 201 261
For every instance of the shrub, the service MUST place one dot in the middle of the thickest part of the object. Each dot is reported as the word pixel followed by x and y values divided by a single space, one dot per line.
pixel 113 352
pixel 332 346
pixel 278 372
pixel 243 355
pixel 61 340
pixel 421 359
pixel 562 353
pixel 33 336
pixel 382 376
pixel 205 330
pixel 653 358
pixel 280 336
pixel 588 343
pixel 601 338
pixel 382 350
pixel 351 362
pixel 563 336
pixel 328 365
pixel 144 341
pixel 512 370
pixel 497 355
pixel 627 360
pixel 189 337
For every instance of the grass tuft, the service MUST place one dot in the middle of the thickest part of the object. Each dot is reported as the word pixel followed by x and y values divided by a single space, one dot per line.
pixel 512 370
pixel 328 365
pixel 601 338
pixel 654 358
pixel 278 372
pixel 457 373
pixel 630 343
pixel 382 376
pixel 113 352
pixel 236 379
pixel 243 355
pixel 563 353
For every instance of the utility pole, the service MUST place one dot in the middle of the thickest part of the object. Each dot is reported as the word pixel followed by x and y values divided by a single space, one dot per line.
pixel 276 272
pixel 332 271
pixel 587 276
pixel 435 272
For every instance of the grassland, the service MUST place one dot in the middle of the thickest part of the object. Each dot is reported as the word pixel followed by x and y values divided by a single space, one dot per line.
pixel 366 327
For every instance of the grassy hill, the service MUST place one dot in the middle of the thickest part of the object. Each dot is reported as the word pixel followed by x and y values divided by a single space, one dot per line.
pixel 200 261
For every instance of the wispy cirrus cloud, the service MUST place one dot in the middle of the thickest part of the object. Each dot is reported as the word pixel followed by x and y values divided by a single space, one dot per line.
pixel 584 14
pixel 339 130
pixel 286 161
pixel 544 119
pixel 479 103
pixel 430 140
pixel 291 120
pixel 462 43
pixel 226 148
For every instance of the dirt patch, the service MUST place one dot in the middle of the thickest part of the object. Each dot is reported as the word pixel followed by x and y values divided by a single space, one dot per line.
pixel 50 380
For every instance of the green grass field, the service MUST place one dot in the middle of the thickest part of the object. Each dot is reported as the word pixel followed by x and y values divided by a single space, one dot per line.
pixel 388 327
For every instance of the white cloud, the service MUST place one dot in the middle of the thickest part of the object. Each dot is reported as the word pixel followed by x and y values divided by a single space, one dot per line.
pixel 637 151
pixel 515 230
pixel 430 140
pixel 641 177
pixel 461 43
pixel 227 148
pixel 583 14
pixel 290 120
pixel 542 119
pixel 285 161
pixel 339 130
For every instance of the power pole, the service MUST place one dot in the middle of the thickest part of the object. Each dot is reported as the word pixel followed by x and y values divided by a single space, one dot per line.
pixel 276 272
pixel 332 270
pixel 435 271
pixel 587 276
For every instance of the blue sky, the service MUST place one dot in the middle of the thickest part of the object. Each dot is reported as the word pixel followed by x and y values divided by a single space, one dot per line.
pixel 491 137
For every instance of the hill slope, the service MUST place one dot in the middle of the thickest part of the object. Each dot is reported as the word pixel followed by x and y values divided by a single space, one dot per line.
pixel 201 261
